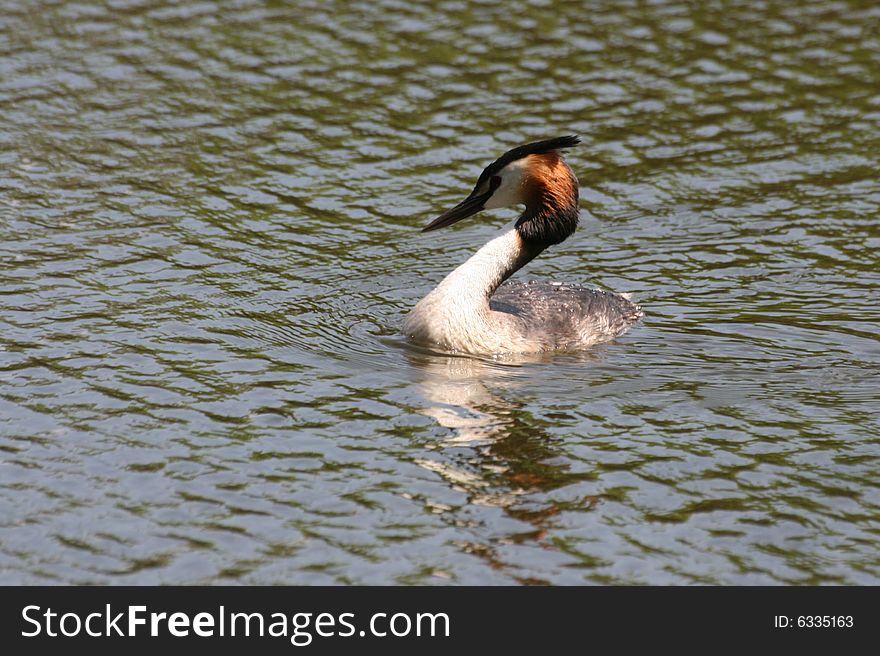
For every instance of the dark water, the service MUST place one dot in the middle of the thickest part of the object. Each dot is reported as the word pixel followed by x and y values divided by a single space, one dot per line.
pixel 208 240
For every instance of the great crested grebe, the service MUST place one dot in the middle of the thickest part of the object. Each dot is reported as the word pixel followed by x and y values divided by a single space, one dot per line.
pixel 473 310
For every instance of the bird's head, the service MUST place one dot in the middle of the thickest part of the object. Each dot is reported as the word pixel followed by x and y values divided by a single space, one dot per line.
pixel 534 175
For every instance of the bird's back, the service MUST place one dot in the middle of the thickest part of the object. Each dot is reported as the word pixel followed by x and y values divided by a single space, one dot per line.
pixel 566 316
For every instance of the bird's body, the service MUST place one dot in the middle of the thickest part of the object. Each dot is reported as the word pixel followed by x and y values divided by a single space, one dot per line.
pixel 475 309
pixel 565 317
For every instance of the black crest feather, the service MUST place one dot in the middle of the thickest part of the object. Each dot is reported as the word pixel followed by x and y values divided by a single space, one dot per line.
pixel 534 148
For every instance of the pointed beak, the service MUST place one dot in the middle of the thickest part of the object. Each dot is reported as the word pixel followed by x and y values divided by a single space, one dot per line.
pixel 468 207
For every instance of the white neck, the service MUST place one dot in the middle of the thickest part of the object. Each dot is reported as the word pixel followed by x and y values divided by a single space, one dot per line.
pixel 456 314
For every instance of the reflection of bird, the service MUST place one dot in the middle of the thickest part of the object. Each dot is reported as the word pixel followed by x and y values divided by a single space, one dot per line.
pixel 457 391
pixel 475 311
pixel 459 398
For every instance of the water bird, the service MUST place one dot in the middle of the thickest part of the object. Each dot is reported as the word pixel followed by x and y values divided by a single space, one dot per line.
pixel 477 310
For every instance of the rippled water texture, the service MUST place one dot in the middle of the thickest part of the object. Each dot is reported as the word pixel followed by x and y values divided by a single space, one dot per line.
pixel 209 237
